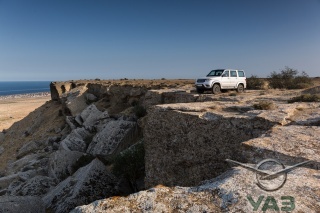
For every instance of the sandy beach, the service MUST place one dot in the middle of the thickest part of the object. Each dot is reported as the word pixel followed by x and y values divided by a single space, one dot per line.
pixel 15 107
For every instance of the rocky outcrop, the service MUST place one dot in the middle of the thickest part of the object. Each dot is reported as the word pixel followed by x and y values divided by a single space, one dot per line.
pixel 229 192
pixel 89 183
pixel 91 116
pixel 186 144
pixel 187 138
pixel 33 162
pixel 76 140
pixel 114 137
pixel 36 186
pixel 62 163
pixel 26 204
pixel 29 148
pixel 75 100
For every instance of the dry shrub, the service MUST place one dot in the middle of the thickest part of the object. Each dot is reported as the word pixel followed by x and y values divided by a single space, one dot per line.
pixel 255 83
pixel 289 78
pixel 264 105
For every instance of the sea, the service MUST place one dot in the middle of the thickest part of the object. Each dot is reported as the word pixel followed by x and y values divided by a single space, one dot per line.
pixel 23 87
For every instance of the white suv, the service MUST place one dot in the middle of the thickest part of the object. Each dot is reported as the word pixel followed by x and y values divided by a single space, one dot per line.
pixel 222 79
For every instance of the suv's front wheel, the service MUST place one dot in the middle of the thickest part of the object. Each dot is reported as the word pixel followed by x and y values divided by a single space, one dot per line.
pixel 216 89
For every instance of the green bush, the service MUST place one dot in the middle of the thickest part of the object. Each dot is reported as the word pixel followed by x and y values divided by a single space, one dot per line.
pixel 288 78
pixel 264 105
pixel 130 164
pixel 254 82
pixel 305 98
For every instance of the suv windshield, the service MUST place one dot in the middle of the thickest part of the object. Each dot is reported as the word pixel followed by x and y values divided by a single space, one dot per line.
pixel 215 73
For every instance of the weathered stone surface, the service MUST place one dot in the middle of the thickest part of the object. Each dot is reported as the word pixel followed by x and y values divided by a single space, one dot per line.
pixel 185 145
pixel 75 100
pixel 28 148
pixel 288 144
pixel 36 186
pixel 307 114
pixel 61 163
pixel 78 119
pixel 76 140
pixel 314 90
pixel 226 193
pixel 7 180
pixel 1 150
pixel 136 91
pixel 2 136
pixel 91 97
pixel 91 115
pixel 280 115
pixel 71 122
pixel 38 162
pixel 165 96
pixel 113 138
pixel 89 183
pixel 25 204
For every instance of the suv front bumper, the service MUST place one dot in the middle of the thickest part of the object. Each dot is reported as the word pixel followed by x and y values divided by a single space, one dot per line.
pixel 203 86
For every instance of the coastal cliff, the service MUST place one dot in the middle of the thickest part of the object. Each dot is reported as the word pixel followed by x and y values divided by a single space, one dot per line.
pixel 99 139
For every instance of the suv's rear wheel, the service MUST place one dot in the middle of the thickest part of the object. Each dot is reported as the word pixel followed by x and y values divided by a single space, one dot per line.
pixel 240 88
pixel 216 89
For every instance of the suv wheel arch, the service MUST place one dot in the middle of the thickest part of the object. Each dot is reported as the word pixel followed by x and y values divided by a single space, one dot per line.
pixel 216 88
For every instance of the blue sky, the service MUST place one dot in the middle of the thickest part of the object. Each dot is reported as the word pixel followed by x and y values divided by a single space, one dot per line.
pixel 111 39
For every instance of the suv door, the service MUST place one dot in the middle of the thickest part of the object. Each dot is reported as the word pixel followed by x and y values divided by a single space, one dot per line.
pixel 225 79
pixel 233 79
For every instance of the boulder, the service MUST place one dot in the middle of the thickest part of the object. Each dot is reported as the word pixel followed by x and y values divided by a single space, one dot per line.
pixel 191 140
pixel 78 119
pixel 28 148
pixel 7 180
pixel 136 91
pixel 89 183
pixel 71 122
pixel 76 140
pixel 25 204
pixel 61 163
pixel 36 186
pixel 75 100
pixel 20 176
pixel 91 115
pixel 36 162
pixel 113 138
pixel 91 97
pixel 229 192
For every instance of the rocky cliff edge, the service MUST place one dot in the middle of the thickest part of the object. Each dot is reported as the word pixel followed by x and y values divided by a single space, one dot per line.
pixel 86 144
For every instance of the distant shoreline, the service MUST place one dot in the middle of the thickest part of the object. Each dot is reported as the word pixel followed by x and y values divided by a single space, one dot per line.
pixel 26 95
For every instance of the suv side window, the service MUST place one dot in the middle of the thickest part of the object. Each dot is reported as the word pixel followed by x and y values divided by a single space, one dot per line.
pixel 241 74
pixel 225 74
pixel 233 73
